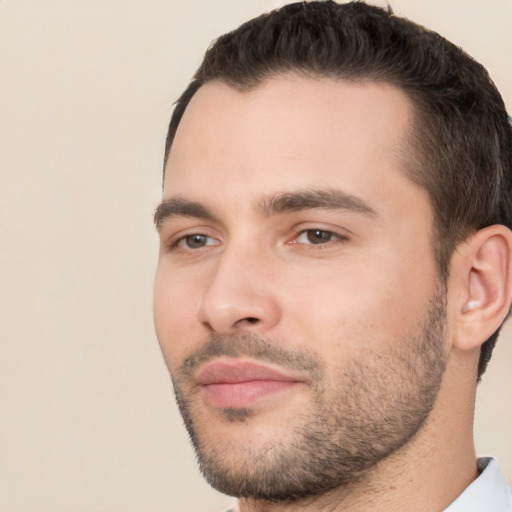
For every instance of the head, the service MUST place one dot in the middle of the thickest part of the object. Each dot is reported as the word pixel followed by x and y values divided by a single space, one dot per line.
pixel 461 139
pixel 323 169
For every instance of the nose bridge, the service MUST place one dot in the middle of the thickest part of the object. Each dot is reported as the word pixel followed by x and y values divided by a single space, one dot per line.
pixel 240 294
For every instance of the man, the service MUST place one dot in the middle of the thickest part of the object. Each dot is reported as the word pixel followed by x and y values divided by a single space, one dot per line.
pixel 335 263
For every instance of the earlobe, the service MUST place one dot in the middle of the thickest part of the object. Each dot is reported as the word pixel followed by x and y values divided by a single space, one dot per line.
pixel 485 277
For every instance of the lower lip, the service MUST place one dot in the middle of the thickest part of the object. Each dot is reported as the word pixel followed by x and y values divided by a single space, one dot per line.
pixel 243 394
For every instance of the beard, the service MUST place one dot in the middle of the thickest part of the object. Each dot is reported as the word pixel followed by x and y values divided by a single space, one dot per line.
pixel 356 418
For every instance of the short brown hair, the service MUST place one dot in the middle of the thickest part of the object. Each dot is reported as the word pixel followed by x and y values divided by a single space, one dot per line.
pixel 462 135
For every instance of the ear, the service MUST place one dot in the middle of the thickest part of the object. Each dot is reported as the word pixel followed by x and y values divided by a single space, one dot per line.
pixel 481 281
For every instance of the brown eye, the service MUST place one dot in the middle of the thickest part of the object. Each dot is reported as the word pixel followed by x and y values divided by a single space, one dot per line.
pixel 195 241
pixel 316 236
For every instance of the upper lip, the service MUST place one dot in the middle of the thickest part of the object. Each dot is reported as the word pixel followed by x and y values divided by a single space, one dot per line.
pixel 230 372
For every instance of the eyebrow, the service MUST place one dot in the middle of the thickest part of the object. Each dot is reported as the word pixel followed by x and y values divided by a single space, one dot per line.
pixel 179 207
pixel 326 199
pixel 279 203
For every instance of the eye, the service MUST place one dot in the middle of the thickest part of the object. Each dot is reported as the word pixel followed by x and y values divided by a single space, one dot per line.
pixel 196 241
pixel 317 236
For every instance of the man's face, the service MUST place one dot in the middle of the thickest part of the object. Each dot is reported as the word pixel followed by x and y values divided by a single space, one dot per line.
pixel 296 297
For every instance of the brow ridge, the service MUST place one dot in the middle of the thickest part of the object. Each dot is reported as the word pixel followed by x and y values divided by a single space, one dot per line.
pixel 328 199
pixel 180 207
pixel 279 203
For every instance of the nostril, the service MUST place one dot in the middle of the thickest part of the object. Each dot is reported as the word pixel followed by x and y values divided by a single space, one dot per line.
pixel 246 322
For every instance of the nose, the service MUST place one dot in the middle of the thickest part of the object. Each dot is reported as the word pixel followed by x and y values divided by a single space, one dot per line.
pixel 240 297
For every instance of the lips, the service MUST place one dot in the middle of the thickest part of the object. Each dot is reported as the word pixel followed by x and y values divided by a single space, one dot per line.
pixel 239 384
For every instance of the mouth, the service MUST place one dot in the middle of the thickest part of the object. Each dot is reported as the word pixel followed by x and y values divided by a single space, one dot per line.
pixel 240 384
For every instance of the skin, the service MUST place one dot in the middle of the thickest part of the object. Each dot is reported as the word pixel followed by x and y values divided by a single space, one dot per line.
pixel 351 298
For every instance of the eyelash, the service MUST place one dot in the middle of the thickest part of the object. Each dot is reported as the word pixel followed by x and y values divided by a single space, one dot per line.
pixel 333 236
pixel 182 241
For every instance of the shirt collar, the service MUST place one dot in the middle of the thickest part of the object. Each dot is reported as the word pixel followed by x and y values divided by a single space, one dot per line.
pixel 488 492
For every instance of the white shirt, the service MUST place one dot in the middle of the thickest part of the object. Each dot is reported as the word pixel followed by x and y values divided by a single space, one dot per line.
pixel 488 493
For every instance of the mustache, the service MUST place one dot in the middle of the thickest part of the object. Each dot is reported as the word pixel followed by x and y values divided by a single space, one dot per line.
pixel 253 346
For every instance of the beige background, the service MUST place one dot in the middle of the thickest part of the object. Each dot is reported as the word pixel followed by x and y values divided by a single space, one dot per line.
pixel 88 421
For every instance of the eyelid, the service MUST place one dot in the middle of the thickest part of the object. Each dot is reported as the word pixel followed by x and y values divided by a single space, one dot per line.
pixel 181 241
pixel 339 235
pixel 332 235
pixel 172 241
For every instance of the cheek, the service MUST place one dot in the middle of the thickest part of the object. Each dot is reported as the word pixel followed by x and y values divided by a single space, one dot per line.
pixel 175 313
pixel 350 310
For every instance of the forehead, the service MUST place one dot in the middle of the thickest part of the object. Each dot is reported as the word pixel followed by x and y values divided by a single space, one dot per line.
pixel 290 132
